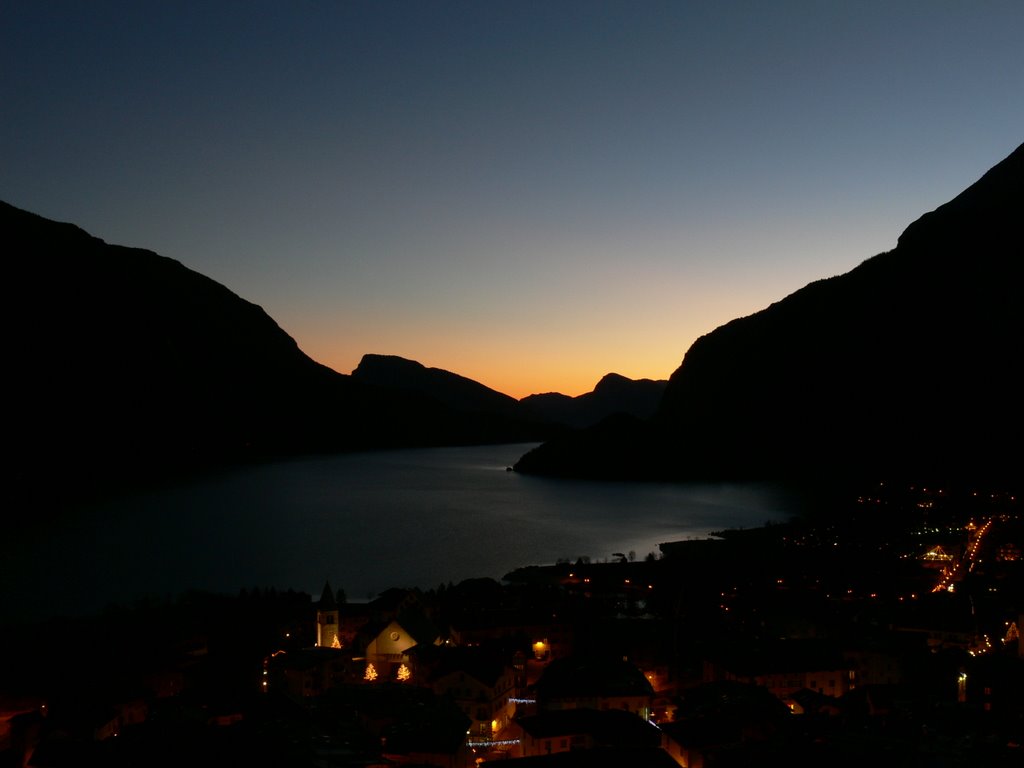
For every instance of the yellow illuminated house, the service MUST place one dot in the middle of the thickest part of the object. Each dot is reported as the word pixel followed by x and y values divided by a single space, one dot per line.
pixel 387 655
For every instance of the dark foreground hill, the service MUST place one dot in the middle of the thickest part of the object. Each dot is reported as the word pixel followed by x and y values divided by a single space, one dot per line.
pixel 908 365
pixel 124 365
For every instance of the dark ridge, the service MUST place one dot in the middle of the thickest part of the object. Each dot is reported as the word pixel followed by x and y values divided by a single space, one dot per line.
pixel 614 394
pixel 127 367
pixel 450 389
pixel 909 365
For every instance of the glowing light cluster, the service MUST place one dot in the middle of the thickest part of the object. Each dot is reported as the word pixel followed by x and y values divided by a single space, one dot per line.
pixel 492 743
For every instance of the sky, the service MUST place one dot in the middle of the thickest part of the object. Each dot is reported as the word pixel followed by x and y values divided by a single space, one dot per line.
pixel 531 194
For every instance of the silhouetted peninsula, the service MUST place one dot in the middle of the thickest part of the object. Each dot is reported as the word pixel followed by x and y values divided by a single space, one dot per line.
pixel 908 365
pixel 613 394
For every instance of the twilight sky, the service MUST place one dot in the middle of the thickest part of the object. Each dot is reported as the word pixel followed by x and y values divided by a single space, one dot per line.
pixel 531 194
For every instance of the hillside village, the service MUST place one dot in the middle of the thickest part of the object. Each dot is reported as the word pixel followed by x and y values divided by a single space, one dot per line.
pixel 890 627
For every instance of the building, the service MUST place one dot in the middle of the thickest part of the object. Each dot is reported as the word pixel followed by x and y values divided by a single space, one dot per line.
pixel 481 682
pixel 784 668
pixel 387 645
pixel 594 681
pixel 327 619
pixel 567 730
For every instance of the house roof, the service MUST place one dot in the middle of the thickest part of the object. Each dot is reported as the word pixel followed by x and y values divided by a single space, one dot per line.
pixel 610 727
pixel 408 719
pixel 308 658
pixel 484 665
pixel 723 712
pixel 812 701
pixel 590 676
pixel 730 700
pixel 327 599
pixel 414 621
pixel 781 657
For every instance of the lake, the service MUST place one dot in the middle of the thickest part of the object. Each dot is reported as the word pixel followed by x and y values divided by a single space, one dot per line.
pixel 368 521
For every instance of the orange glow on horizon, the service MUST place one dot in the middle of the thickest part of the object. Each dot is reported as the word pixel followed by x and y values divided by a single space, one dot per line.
pixel 519 381
pixel 520 352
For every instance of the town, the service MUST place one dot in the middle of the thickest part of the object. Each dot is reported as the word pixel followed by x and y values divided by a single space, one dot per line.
pixel 886 627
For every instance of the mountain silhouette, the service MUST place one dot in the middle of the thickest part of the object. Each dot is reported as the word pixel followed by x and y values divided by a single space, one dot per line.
pixel 614 394
pixel 451 389
pixel 126 365
pixel 908 365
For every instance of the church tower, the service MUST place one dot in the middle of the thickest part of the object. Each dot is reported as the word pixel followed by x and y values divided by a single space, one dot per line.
pixel 327 619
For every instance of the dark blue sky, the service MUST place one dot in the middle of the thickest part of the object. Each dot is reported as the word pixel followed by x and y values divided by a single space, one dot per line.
pixel 529 193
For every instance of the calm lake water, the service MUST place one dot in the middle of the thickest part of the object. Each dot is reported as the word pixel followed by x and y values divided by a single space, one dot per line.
pixel 365 521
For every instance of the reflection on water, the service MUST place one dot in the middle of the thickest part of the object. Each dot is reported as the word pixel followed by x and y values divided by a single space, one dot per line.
pixel 365 521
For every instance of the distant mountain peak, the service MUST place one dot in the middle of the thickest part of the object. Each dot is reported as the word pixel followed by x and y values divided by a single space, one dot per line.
pixel 451 389
pixel 613 394
pixel 371 361
pixel 611 380
pixel 614 382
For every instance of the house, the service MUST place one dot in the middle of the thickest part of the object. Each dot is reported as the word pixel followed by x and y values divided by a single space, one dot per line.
pixel 944 620
pixel 480 680
pixel 412 725
pixel 563 730
pixel 594 681
pixel 547 637
pixel 784 668
pixel 884 659
pixel 722 715
pixel 307 672
pixel 483 611
pixel 386 646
